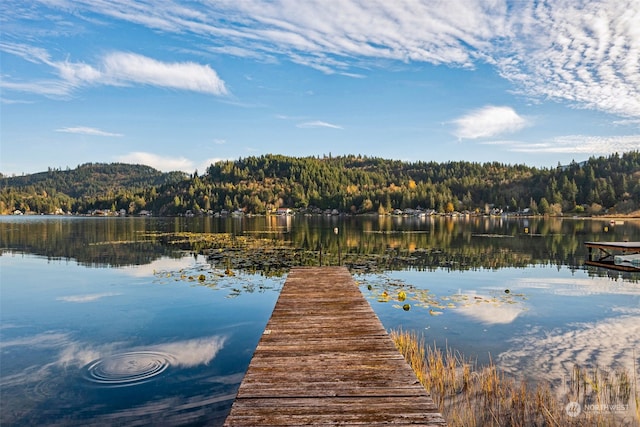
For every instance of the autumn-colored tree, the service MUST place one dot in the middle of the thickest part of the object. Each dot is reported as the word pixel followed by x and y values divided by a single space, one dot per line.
pixel 449 207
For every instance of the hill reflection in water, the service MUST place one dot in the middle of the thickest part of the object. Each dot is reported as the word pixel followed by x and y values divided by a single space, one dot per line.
pixel 277 243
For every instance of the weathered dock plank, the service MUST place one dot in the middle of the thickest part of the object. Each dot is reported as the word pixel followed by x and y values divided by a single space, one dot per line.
pixel 325 359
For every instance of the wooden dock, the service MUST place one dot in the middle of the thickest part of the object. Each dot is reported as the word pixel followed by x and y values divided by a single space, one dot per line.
pixel 325 359
pixel 606 254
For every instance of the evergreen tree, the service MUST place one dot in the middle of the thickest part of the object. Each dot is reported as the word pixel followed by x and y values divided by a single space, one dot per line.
pixel 544 207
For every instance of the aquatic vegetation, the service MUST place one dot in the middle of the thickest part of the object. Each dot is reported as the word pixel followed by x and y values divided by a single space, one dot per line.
pixel 270 257
pixel 227 254
pixel 271 253
pixel 217 279
pixel 383 289
pixel 471 395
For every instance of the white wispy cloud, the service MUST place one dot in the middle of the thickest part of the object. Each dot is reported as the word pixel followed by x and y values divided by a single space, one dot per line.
pixel 326 33
pixel 29 53
pixel 14 101
pixel 129 67
pixel 505 142
pixel 48 88
pixel 113 69
pixel 627 122
pixel 287 117
pixel 488 121
pixel 162 163
pixel 83 130
pixel 581 144
pixel 203 165
pixel 242 52
pixel 585 53
pixel 318 124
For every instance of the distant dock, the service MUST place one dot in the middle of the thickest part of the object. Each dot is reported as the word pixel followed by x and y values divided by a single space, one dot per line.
pixel 326 359
pixel 605 254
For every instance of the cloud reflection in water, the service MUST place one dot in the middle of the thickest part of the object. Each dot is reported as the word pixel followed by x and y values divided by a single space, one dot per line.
pixel 87 298
pixel 492 314
pixel 579 286
pixel 608 343
pixel 551 355
pixel 57 379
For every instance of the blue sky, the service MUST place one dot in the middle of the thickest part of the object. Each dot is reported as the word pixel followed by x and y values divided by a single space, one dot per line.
pixel 178 85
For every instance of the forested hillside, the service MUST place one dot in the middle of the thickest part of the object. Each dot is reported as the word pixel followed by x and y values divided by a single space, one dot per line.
pixel 351 184
pixel 71 189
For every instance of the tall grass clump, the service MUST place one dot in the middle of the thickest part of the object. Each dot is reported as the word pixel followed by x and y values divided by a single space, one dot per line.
pixel 471 395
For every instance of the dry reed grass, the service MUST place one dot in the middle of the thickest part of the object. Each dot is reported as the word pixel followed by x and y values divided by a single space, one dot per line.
pixel 470 395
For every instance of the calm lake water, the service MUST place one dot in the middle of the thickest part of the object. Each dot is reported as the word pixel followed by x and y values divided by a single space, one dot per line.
pixel 103 322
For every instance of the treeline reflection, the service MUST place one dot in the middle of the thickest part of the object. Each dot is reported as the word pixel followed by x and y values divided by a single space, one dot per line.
pixel 92 242
pixel 362 243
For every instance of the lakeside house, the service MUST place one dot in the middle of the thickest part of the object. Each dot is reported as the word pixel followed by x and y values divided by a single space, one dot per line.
pixel 284 211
